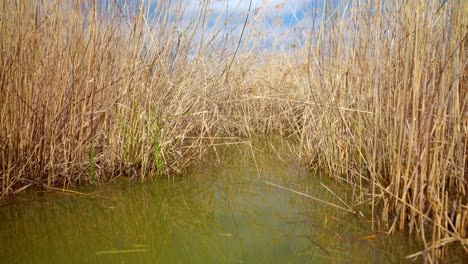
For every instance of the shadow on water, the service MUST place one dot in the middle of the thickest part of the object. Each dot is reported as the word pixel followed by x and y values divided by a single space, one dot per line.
pixel 222 212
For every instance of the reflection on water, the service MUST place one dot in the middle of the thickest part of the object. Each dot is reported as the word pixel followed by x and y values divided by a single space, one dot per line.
pixel 222 213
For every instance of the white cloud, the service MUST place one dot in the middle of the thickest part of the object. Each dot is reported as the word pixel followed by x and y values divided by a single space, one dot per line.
pixel 273 20
pixel 264 7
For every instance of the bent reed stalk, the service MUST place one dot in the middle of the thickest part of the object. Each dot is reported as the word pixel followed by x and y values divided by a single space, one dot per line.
pixel 375 92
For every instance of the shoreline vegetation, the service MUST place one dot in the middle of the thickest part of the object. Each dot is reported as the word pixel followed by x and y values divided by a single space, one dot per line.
pixel 375 92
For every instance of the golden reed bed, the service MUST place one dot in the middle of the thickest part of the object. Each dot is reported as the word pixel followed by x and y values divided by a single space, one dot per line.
pixel 375 92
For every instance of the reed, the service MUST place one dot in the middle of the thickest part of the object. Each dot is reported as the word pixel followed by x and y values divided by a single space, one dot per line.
pixel 375 92
pixel 394 122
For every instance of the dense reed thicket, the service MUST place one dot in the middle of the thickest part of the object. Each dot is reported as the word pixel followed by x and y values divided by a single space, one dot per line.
pixel 376 92
pixel 395 79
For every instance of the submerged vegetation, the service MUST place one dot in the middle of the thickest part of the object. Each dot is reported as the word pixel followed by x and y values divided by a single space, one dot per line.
pixel 375 92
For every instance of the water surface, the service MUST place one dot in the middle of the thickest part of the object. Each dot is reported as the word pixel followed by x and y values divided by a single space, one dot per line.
pixel 222 212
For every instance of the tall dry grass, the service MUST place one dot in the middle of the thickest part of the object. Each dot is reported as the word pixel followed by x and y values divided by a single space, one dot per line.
pixel 91 92
pixel 390 88
pixel 375 92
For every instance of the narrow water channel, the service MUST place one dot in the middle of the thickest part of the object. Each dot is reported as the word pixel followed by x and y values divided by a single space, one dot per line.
pixel 222 212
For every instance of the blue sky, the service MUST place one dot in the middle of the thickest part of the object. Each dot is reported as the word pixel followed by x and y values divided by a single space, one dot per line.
pixel 277 22
pixel 289 11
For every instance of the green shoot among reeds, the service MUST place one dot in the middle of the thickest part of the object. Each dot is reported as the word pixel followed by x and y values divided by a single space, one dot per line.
pixel 92 164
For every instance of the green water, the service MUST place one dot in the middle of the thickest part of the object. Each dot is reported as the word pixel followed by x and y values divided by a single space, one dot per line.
pixel 222 212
